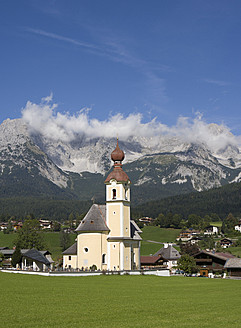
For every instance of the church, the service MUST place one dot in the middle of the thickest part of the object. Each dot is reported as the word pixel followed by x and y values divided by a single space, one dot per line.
pixel 107 237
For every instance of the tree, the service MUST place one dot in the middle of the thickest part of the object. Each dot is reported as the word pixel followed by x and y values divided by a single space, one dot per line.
pixel 17 256
pixel 207 242
pixel 187 264
pixel 64 240
pixel 30 236
pixel 228 223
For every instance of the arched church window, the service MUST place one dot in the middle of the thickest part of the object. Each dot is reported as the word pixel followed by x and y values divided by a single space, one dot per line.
pixel 114 194
pixel 103 258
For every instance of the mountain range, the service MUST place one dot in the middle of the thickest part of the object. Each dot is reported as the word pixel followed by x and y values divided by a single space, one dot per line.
pixel 32 164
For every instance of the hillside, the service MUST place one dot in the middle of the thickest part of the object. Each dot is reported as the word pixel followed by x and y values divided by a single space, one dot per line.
pixel 220 200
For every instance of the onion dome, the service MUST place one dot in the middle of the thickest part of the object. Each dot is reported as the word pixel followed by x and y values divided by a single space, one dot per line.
pixel 118 174
pixel 117 155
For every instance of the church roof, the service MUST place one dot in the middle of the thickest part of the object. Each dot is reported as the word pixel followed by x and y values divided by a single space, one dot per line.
pixel 117 155
pixel 168 253
pixel 72 250
pixel 118 174
pixel 135 230
pixel 95 219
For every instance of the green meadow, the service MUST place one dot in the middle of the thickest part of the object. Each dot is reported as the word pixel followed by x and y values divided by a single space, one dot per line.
pixel 118 301
pixel 157 234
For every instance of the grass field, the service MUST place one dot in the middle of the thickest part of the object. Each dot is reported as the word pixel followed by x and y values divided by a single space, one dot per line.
pixel 118 302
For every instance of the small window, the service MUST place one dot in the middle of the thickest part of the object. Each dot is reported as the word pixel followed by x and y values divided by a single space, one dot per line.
pixel 69 258
pixel 86 250
pixel 114 194
pixel 114 246
pixel 103 258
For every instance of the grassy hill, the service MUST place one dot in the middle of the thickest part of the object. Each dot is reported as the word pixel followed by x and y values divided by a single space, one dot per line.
pixel 159 236
pixel 51 239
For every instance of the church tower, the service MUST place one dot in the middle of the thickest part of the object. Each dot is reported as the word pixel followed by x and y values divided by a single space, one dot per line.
pixel 119 246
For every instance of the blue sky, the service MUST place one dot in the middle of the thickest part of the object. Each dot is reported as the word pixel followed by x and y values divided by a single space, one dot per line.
pixel 164 59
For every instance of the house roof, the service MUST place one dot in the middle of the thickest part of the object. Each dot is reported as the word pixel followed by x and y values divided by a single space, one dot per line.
pixel 233 263
pixel 168 253
pixel 36 255
pixel 95 219
pixel 72 250
pixel 150 259
pixel 219 255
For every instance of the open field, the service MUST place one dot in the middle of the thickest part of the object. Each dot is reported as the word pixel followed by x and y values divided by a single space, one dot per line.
pixel 118 301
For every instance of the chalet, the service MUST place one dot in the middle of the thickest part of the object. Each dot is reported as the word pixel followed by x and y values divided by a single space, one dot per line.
pixel 31 259
pixel 233 267
pixel 211 230
pixel 45 224
pixel 3 226
pixel 146 220
pixel 17 225
pixel 211 262
pixel 151 262
pixel 238 227
pixel 226 242
pixel 187 235
pixel 169 255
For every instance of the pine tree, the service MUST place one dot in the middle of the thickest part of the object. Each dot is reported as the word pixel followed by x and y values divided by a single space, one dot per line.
pixel 17 256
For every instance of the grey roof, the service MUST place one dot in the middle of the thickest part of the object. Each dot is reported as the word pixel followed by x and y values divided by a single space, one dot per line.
pixel 72 250
pixel 233 263
pixel 168 253
pixel 36 255
pixel 135 230
pixel 7 251
pixel 95 219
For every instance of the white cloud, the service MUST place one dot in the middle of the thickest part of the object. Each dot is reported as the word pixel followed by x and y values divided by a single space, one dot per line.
pixel 43 118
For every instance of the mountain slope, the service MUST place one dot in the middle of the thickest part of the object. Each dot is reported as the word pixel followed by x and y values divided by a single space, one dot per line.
pixel 162 166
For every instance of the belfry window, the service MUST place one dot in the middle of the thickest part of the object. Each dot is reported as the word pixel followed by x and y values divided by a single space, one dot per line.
pixel 114 194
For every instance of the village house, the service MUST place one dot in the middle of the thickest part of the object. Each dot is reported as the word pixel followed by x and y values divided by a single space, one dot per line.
pixel 32 259
pixel 211 230
pixel 107 237
pixel 188 235
pixel 211 262
pixel 226 242
pixel 45 224
pixel 169 255
pixel 238 226
pixel 152 262
pixel 146 220
pixel 233 267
